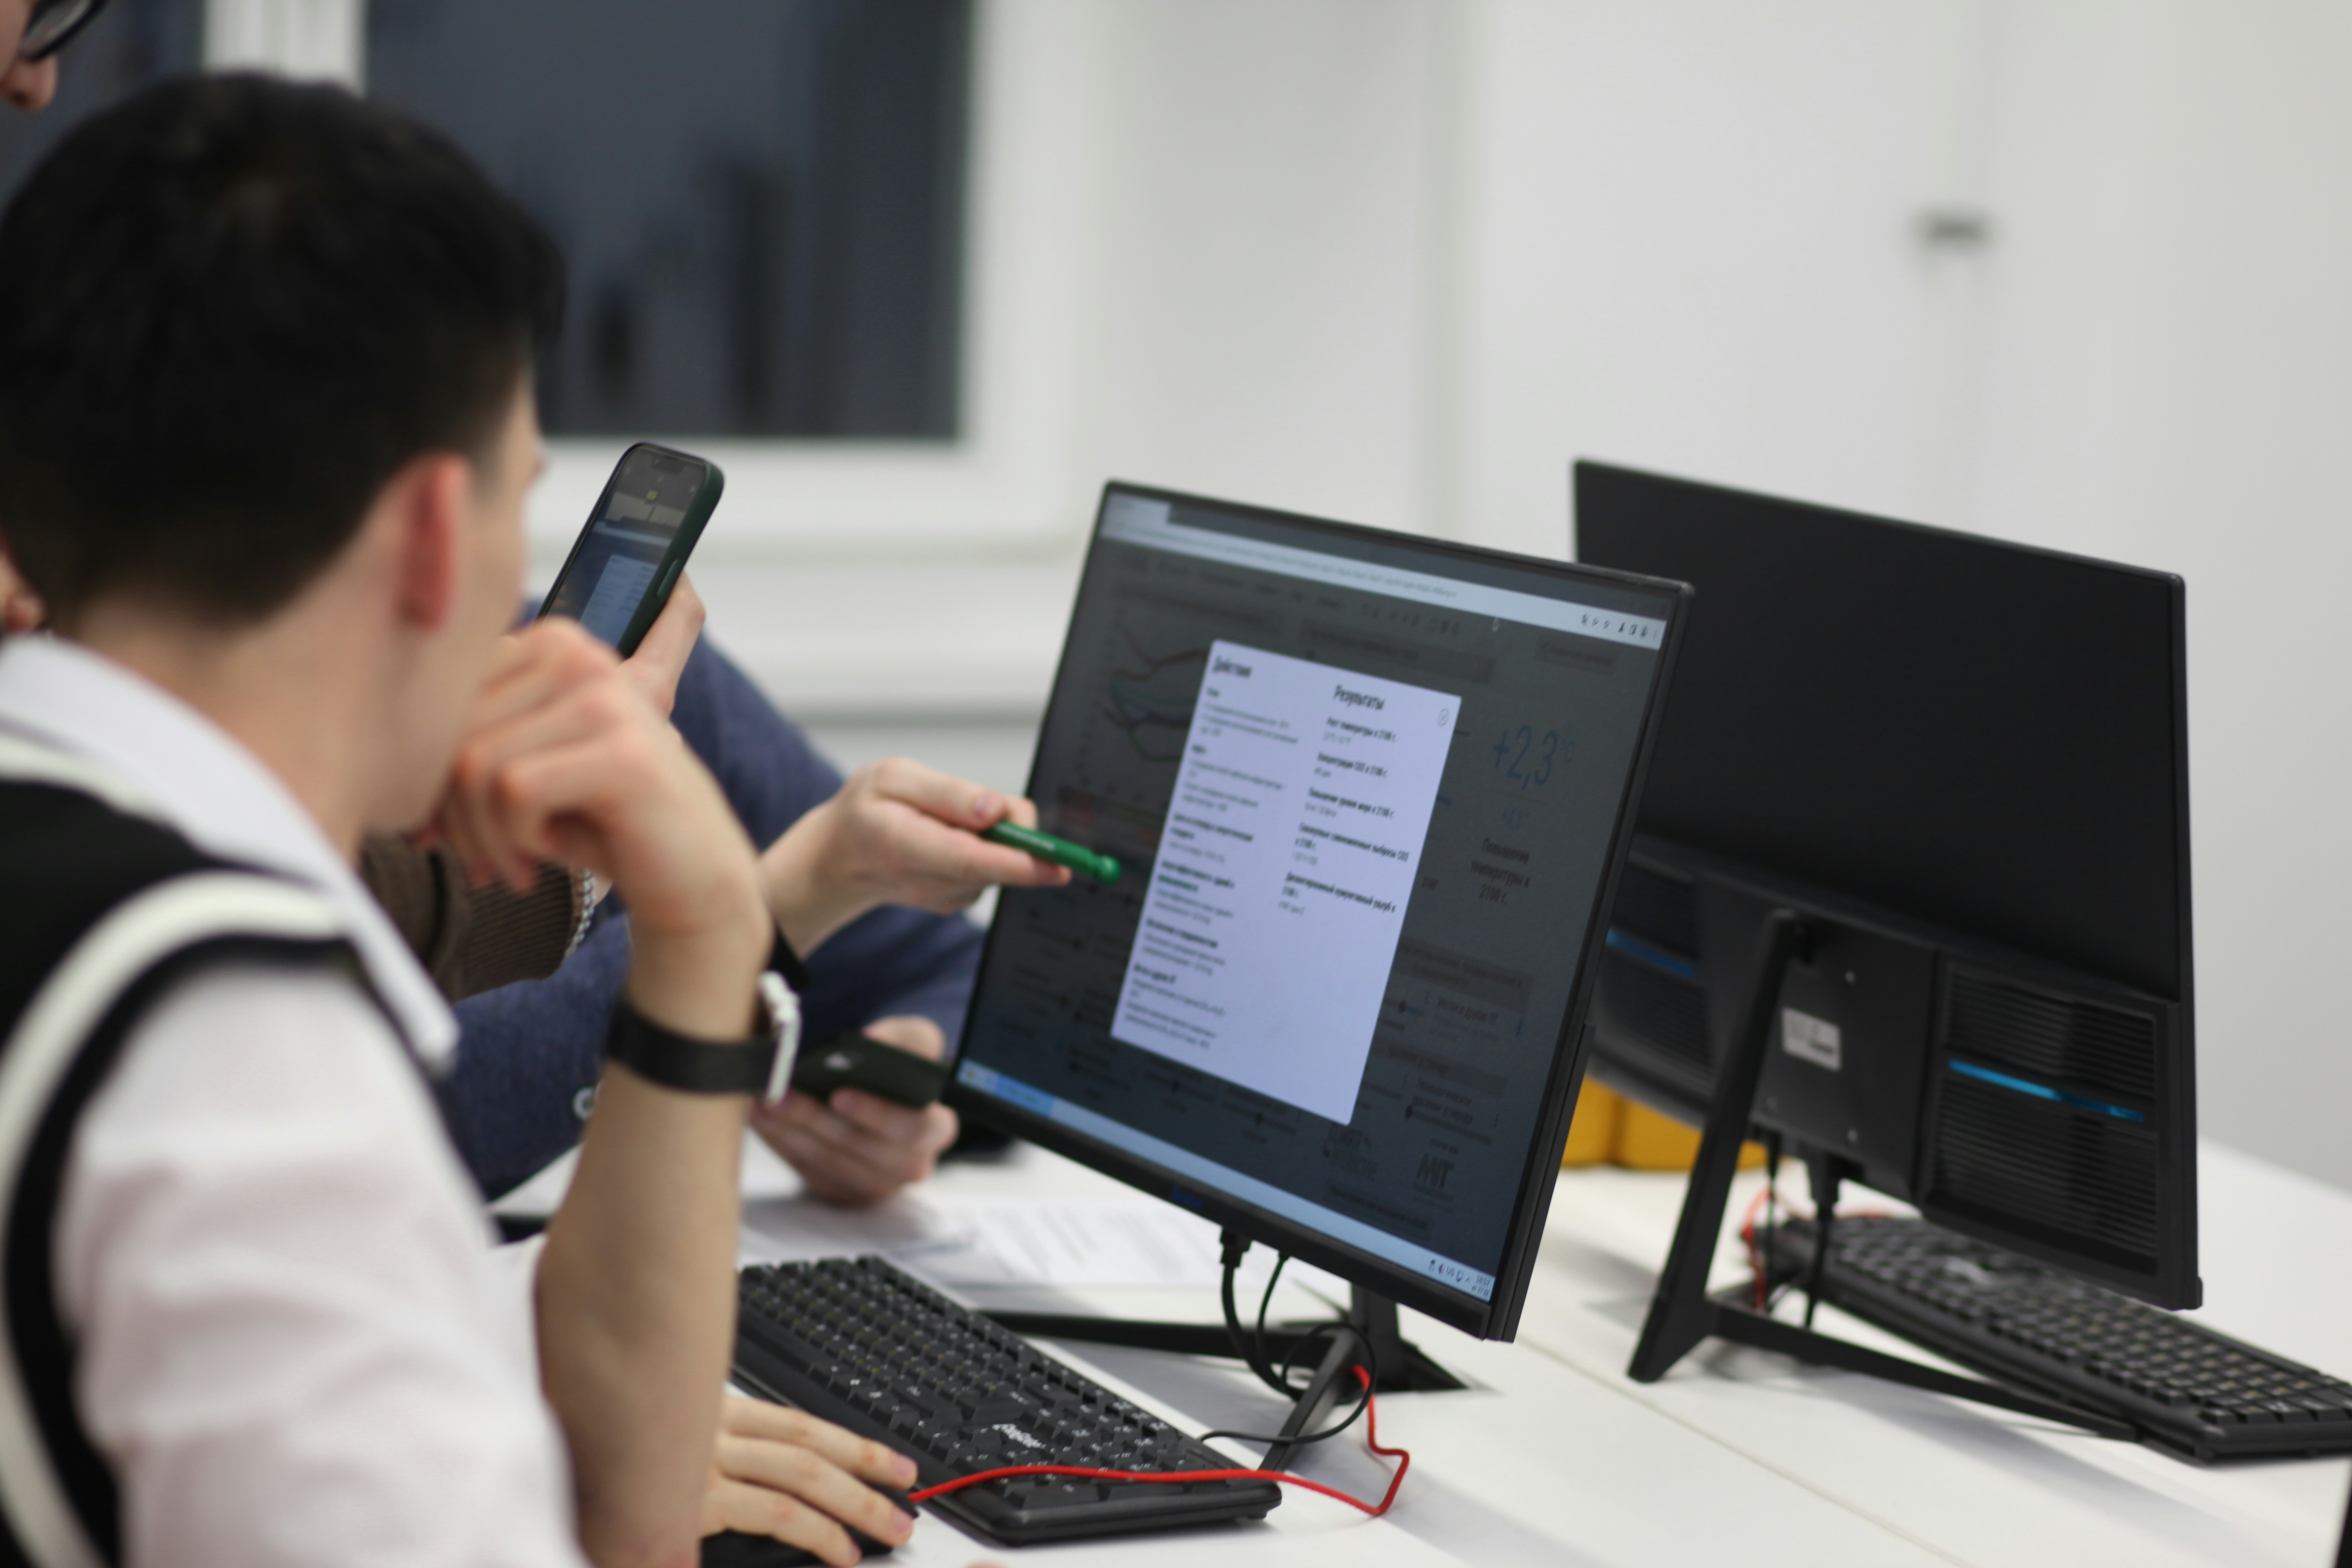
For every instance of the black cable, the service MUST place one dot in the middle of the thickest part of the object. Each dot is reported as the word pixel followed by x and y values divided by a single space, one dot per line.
pixel 1267 1301
pixel 1251 1347
pixel 1372 1378
pixel 1233 1245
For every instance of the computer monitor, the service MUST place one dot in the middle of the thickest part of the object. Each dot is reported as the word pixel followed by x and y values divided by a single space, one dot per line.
pixel 1372 792
pixel 1965 762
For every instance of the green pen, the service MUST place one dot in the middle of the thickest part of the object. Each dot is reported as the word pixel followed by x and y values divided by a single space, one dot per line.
pixel 1060 851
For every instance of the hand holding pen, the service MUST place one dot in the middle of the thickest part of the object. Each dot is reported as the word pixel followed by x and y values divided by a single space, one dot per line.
pixel 896 833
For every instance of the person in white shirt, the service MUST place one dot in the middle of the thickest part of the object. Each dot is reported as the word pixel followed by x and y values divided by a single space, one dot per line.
pixel 266 429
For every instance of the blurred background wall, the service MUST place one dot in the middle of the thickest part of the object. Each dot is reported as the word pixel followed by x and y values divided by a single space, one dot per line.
pixel 2073 272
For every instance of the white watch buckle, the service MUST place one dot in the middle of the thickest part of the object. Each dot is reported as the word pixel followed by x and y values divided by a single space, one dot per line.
pixel 783 1011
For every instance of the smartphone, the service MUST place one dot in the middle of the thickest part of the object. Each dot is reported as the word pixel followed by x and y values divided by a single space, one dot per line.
pixel 626 562
pixel 852 1060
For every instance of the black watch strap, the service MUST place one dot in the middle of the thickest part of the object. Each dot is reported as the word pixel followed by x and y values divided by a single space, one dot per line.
pixel 694 1065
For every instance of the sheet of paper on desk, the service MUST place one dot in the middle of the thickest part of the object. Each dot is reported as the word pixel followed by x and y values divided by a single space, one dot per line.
pixel 1085 1242
pixel 975 1242
pixel 1079 1243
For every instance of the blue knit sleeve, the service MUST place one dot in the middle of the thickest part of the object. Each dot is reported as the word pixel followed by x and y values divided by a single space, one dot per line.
pixel 516 1095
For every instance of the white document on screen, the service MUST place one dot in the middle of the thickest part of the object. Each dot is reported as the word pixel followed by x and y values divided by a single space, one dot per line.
pixel 1288 859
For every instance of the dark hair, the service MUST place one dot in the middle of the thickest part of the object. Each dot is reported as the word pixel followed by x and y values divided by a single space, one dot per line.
pixel 231 309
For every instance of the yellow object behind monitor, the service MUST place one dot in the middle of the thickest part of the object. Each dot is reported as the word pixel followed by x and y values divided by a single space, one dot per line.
pixel 1607 1128
pixel 1592 1131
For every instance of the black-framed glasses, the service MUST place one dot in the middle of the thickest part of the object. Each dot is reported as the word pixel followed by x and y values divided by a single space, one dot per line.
pixel 52 24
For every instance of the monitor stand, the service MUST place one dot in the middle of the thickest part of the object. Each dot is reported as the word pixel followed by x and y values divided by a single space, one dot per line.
pixel 1404 1367
pixel 1682 1313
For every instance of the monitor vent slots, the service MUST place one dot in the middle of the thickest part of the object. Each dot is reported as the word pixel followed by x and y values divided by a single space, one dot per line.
pixel 2042 1121
pixel 2078 1043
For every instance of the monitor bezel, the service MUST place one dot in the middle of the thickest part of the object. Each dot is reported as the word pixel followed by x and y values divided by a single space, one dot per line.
pixel 1496 1317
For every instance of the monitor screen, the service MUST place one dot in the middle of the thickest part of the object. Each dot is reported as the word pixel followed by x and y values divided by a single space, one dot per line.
pixel 1370 794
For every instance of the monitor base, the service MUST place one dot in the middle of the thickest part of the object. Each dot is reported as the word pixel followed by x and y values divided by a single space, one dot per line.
pixel 1403 1366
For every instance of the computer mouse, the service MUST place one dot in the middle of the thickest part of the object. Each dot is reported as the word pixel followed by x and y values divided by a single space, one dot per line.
pixel 734 1549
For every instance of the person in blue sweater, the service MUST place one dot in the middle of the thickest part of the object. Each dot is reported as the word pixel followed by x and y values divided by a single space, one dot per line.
pixel 531 1051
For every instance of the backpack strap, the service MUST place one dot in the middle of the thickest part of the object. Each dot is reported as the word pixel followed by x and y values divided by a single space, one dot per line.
pixel 57 1491
pixel 25 759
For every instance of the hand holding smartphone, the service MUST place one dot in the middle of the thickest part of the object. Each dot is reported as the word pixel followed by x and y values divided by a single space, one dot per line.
pixel 855 1060
pixel 628 557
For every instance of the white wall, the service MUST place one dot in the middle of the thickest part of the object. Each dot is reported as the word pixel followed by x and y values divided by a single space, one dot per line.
pixel 1685 234
pixel 2212 426
pixel 1690 243
pixel 1270 236
pixel 1400 260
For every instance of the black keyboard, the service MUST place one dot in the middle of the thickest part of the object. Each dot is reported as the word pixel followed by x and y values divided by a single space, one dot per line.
pixel 858 1343
pixel 2178 1383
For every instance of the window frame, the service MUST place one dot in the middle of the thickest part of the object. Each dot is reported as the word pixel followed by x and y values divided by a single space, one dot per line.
pixel 1003 482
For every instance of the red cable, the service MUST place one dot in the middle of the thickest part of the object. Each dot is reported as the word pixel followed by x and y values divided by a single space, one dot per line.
pixel 1371 1441
pixel 1748 1237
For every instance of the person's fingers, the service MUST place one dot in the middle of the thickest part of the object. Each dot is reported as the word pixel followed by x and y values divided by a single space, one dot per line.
pixel 794 1470
pixel 1022 811
pixel 463 825
pixel 566 719
pixel 911 1032
pixel 534 667
pixel 875 1462
pixel 752 1509
pixel 846 1161
pixel 953 800
pixel 892 1125
pixel 830 1174
pixel 500 786
pixel 542 671
pixel 515 812
pixel 599 711
pixel 962 863
pixel 967 862
pixel 549 800
pixel 814 1129
pixel 661 657
pixel 468 823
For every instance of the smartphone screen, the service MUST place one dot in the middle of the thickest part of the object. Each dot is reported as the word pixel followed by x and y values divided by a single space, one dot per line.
pixel 616 558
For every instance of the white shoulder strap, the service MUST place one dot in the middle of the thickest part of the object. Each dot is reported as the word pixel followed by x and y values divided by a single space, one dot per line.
pixel 71 1003
pixel 25 759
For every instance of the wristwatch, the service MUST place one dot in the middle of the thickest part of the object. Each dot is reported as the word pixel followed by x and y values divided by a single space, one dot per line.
pixel 761 1065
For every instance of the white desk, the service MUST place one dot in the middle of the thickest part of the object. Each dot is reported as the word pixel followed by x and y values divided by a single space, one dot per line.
pixel 1966 1483
pixel 1555 1457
